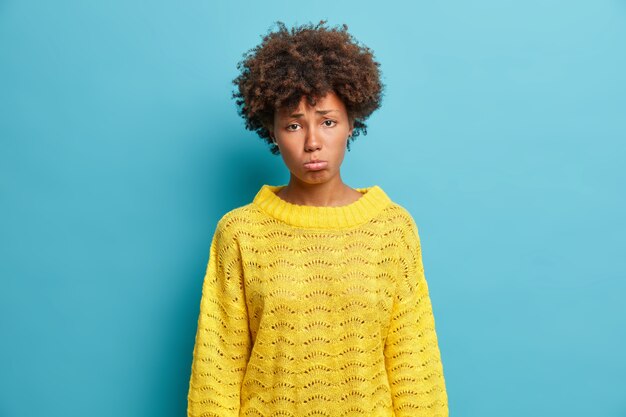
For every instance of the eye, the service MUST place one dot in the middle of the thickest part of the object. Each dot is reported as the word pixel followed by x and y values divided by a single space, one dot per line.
pixel 288 126
pixel 328 120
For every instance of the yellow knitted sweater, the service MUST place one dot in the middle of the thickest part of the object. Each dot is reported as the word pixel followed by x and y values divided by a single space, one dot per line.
pixel 311 311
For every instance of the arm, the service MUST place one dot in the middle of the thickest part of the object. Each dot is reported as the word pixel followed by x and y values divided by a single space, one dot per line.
pixel 412 356
pixel 222 344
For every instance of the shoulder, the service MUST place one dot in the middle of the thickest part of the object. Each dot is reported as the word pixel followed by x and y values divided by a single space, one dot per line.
pixel 395 211
pixel 405 225
pixel 237 220
pixel 400 214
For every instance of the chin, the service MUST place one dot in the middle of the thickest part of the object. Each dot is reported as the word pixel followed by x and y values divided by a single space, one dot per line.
pixel 313 177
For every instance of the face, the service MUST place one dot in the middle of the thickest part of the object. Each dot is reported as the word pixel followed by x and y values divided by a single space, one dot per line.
pixel 312 133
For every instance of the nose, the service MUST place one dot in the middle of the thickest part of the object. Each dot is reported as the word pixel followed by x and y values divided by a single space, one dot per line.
pixel 312 141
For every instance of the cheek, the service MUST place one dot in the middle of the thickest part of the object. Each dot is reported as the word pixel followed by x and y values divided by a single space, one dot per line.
pixel 291 157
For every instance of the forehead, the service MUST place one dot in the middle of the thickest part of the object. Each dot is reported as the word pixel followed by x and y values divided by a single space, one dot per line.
pixel 327 102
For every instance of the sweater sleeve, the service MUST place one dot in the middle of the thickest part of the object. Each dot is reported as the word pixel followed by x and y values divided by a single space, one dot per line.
pixel 412 356
pixel 222 343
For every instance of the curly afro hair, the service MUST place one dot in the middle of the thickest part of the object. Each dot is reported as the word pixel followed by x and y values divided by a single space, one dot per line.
pixel 309 61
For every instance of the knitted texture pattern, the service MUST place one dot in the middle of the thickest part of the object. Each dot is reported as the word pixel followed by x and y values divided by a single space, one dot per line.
pixel 310 311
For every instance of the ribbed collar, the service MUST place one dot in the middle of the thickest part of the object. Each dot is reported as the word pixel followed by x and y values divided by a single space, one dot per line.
pixel 360 211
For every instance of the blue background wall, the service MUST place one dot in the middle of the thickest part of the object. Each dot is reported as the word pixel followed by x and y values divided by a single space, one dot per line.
pixel 502 131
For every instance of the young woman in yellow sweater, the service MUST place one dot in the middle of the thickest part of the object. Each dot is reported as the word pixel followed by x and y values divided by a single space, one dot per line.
pixel 314 302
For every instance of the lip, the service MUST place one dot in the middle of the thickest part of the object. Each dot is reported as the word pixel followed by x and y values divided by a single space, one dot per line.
pixel 316 165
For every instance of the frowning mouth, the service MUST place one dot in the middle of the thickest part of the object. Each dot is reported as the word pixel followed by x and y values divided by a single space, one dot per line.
pixel 315 165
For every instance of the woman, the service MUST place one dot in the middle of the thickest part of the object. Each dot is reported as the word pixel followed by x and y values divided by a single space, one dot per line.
pixel 314 301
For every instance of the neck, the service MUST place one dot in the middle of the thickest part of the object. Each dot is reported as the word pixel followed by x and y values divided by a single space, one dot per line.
pixel 327 194
pixel 372 201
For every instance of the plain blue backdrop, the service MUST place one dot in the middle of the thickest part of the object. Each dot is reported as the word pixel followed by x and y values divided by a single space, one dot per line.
pixel 502 131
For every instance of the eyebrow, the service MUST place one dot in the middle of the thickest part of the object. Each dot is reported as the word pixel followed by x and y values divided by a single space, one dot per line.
pixel 296 115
